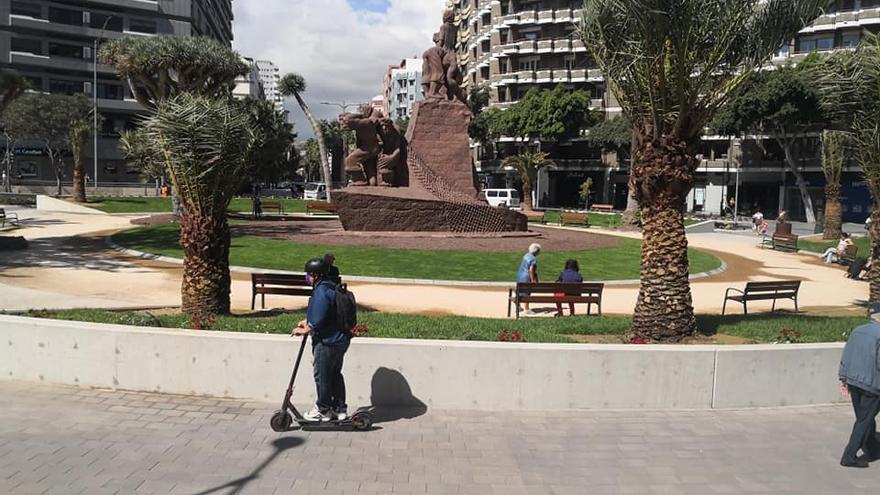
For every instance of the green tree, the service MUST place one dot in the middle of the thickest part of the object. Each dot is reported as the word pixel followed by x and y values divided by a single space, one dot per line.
pixel 270 154
pixel 312 160
pixel 12 86
pixel 47 119
pixel 673 63
pixel 402 124
pixel 615 134
pixel 295 85
pixel 527 164
pixel 849 87
pixel 782 104
pixel 545 114
pixel 78 137
pixel 834 144
pixel 205 143
pixel 161 67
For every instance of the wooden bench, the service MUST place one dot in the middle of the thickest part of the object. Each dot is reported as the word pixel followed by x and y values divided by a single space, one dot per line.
pixel 287 285
pixel 321 206
pixel 546 292
pixel 763 291
pixel 535 216
pixel 849 255
pixel 275 205
pixel 10 218
pixel 602 208
pixel 781 242
pixel 572 218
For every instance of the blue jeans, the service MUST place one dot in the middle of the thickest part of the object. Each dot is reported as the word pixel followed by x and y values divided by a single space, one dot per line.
pixel 328 376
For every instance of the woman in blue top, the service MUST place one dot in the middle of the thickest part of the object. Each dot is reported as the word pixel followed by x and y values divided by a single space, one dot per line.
pixel 528 272
pixel 571 275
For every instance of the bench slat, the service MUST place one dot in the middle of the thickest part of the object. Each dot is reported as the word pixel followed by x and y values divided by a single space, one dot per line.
pixel 287 291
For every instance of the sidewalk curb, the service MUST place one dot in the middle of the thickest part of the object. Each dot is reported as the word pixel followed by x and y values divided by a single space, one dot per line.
pixel 394 281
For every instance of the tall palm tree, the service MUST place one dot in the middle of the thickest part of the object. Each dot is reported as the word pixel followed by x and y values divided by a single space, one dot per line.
pixel 295 85
pixel 833 159
pixel 527 164
pixel 673 63
pixel 849 88
pixel 79 132
pixel 12 86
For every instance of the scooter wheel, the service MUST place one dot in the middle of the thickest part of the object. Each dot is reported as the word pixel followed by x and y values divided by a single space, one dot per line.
pixel 362 421
pixel 280 421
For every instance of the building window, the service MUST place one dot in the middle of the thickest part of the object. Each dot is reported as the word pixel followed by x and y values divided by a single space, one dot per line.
pixel 65 87
pixel 806 45
pixel 529 64
pixel 142 26
pixel 27 45
pixel 824 44
pixel 851 40
pixel 113 24
pixel 61 50
pixel 36 82
pixel 27 9
pixel 110 91
pixel 65 16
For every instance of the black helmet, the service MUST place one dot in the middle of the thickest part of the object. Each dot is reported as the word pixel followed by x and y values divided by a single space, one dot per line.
pixel 316 266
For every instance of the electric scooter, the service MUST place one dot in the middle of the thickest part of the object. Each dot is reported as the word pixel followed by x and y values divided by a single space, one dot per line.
pixel 283 418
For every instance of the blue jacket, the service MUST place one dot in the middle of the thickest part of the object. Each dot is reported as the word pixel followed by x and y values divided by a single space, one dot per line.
pixel 321 316
pixel 860 364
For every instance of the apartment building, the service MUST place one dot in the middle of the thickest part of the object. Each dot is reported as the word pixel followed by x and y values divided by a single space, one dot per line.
pixel 270 77
pixel 52 44
pixel 511 46
pixel 249 84
pixel 402 88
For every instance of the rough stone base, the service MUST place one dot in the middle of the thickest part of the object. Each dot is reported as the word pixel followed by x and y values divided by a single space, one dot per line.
pixel 377 213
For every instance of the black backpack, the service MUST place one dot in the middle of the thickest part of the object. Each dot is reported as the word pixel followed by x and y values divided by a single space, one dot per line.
pixel 346 308
pixel 856 267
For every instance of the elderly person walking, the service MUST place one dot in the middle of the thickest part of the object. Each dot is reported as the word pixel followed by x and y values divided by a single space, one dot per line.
pixel 860 378
pixel 528 271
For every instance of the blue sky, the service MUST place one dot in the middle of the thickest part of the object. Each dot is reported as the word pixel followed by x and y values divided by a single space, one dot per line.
pixel 370 5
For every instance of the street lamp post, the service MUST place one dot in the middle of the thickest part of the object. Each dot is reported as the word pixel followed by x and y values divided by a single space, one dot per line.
pixel 95 95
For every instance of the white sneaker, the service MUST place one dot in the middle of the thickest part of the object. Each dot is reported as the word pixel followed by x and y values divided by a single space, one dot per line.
pixel 316 415
pixel 341 415
pixel 529 312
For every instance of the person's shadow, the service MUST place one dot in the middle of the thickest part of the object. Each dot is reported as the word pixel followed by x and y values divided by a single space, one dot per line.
pixel 391 398
pixel 237 485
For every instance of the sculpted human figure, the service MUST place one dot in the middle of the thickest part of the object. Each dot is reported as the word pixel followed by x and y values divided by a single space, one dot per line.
pixel 361 163
pixel 391 154
pixel 433 72
pixel 454 78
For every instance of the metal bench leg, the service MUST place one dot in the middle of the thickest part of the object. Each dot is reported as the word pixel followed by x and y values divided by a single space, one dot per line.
pixel 796 310
pixel 773 308
pixel 517 307
pixel 724 307
pixel 509 302
pixel 253 300
pixel 745 308
pixel 263 301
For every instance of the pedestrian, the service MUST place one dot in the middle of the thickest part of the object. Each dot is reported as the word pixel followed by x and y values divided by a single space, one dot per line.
pixel 758 220
pixel 860 379
pixel 528 272
pixel 258 203
pixel 329 345
pixel 570 275
pixel 332 270
pixel 835 253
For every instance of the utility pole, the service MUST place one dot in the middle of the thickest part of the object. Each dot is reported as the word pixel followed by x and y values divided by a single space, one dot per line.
pixel 95 95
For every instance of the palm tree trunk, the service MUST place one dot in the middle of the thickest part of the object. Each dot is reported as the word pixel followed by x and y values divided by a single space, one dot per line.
pixel 527 194
pixel 833 212
pixel 319 135
pixel 874 273
pixel 662 175
pixel 631 214
pixel 79 178
pixel 205 240
pixel 806 200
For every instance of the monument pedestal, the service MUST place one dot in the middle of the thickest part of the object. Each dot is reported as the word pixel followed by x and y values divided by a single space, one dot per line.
pixel 441 195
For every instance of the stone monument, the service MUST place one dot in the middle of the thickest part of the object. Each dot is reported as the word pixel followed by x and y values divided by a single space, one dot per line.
pixel 424 182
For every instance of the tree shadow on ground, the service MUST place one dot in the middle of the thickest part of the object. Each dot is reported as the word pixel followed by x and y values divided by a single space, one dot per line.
pixel 237 485
pixel 391 398
pixel 708 325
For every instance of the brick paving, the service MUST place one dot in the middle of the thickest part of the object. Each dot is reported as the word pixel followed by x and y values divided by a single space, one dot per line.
pixel 69 440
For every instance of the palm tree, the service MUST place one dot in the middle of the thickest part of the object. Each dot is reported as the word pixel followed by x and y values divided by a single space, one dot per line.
pixel 849 88
pixel 527 164
pixel 78 136
pixel 833 159
pixel 205 143
pixel 295 85
pixel 12 86
pixel 673 63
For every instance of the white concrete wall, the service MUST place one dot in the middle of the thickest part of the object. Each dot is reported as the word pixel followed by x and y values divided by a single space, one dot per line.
pixel 438 374
pixel 46 203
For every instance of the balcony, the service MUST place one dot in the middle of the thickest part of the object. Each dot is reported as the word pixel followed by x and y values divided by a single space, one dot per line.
pixel 527 46
pixel 561 75
pixel 63 63
pixel 546 16
pixel 509 49
pixel 578 75
pixel 525 76
pixel 597 104
pixel 562 45
pixel 544 76
pixel 545 46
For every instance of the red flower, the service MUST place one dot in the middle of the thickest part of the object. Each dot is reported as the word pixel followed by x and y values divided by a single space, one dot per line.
pixel 638 340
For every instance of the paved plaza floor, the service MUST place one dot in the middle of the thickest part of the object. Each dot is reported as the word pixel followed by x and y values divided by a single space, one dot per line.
pixel 69 440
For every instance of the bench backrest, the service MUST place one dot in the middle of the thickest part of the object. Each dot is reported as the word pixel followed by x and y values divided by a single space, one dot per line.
pixel 602 207
pixel 573 217
pixel 279 280
pixel 783 228
pixel 554 287
pixel 851 251
pixel 785 237
pixel 319 205
pixel 781 287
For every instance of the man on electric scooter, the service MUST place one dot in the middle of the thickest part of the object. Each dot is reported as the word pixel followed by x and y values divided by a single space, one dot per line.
pixel 329 344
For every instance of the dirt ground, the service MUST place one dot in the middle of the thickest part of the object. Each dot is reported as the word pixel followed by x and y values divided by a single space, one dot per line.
pixel 329 232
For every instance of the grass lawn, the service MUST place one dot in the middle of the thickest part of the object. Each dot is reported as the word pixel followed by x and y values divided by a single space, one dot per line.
pixel 163 205
pixel 819 246
pixel 612 263
pixel 756 328
pixel 603 219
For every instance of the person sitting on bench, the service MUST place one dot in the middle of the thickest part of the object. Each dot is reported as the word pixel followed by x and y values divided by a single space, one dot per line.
pixel 571 275
pixel 833 254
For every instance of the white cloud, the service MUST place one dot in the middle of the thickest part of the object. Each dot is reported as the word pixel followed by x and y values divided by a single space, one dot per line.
pixel 342 53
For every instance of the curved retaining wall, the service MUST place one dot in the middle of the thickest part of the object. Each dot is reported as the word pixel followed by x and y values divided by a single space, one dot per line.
pixel 437 374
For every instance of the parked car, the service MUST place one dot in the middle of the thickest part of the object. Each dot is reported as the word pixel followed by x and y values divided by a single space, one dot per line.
pixel 508 198
pixel 315 191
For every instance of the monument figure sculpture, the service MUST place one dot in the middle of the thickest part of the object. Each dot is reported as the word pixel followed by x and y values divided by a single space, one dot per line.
pixel 360 165
pixel 390 158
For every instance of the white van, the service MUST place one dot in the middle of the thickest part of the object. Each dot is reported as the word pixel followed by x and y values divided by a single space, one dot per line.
pixel 502 197
pixel 315 191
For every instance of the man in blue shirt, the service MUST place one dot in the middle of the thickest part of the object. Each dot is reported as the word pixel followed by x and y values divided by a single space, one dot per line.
pixel 329 344
pixel 528 271
pixel 860 377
